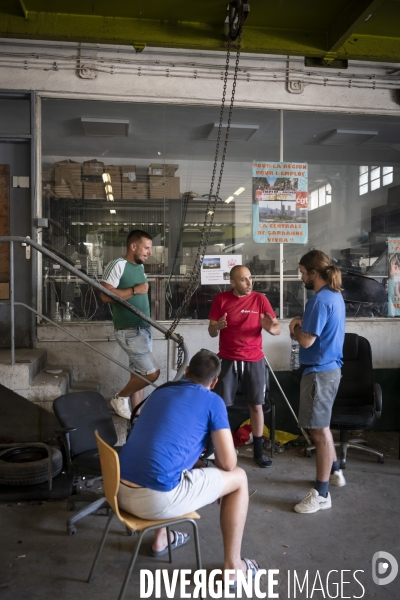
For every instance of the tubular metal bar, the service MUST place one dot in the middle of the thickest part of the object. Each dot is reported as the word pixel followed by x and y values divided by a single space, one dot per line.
pixel 98 287
pixel 86 344
pixel 306 437
pixel 12 303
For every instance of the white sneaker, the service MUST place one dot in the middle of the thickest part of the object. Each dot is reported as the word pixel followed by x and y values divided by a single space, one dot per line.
pixel 121 406
pixel 313 502
pixel 337 479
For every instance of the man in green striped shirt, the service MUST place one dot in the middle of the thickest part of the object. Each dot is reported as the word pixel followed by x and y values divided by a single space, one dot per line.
pixel 126 278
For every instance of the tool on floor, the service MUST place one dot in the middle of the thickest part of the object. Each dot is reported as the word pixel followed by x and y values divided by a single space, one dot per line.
pixel 306 437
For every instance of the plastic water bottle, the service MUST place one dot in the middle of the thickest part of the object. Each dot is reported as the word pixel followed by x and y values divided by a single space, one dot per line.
pixel 294 356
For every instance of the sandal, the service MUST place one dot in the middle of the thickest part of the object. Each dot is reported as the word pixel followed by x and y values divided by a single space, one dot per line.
pixel 180 539
pixel 251 566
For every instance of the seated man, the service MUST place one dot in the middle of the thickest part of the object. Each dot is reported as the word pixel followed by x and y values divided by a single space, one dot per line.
pixel 159 478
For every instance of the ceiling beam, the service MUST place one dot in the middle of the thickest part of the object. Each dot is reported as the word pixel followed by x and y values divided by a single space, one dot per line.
pixel 354 15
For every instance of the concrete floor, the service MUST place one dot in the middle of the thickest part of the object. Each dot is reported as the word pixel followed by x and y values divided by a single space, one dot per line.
pixel 39 561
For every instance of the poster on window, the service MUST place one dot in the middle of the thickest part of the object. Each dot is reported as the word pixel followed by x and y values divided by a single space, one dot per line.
pixel 215 268
pixel 394 277
pixel 280 202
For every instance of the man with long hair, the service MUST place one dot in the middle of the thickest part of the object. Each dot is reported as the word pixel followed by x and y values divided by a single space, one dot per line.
pixel 320 333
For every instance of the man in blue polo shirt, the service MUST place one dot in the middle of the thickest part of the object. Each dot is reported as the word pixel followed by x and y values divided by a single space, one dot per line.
pixel 320 334
pixel 161 474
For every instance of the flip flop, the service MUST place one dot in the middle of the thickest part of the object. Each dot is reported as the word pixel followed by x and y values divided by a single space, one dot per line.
pixel 180 539
pixel 251 566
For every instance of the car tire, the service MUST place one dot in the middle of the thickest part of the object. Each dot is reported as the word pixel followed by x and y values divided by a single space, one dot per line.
pixel 28 465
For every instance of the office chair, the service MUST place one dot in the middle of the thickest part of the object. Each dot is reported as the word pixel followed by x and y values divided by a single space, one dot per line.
pixel 358 403
pixel 111 478
pixel 80 414
pixel 240 407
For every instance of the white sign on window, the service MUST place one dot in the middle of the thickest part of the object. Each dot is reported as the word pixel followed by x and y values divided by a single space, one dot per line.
pixel 215 268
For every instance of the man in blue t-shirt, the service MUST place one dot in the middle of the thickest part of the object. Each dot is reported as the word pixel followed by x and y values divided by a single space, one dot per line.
pixel 161 474
pixel 320 334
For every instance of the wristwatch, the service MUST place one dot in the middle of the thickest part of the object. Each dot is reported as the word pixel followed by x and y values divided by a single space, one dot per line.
pixel 133 290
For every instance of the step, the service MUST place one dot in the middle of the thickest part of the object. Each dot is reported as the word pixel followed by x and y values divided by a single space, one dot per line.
pixel 28 364
pixel 46 387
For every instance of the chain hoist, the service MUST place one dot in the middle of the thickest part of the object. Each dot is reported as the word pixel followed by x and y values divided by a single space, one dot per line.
pixel 237 16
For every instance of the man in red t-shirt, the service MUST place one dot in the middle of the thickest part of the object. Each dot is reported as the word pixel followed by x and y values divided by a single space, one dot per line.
pixel 241 315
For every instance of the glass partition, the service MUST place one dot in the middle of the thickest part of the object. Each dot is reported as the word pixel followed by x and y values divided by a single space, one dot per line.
pixel 111 167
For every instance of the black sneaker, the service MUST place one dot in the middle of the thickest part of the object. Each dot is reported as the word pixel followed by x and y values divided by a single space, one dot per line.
pixel 263 461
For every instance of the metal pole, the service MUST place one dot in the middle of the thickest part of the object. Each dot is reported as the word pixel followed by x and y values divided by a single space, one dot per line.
pixel 309 443
pixel 12 302
pixel 281 315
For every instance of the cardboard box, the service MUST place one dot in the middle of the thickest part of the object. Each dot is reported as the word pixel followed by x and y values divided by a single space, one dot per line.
pixel 92 167
pixel 128 173
pixel 117 191
pixel 4 291
pixel 67 176
pixel 135 191
pixel 114 172
pixel 94 190
pixel 161 170
pixel 165 187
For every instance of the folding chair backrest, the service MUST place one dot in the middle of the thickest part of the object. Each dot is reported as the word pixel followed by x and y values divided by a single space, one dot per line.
pixel 85 411
pixel 109 462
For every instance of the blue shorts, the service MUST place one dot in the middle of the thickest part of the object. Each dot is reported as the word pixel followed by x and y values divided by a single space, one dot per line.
pixel 138 344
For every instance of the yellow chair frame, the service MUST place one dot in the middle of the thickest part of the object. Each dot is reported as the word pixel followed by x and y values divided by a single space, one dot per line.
pixel 111 478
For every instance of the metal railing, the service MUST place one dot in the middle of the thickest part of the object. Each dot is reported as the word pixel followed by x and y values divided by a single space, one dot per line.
pixel 23 240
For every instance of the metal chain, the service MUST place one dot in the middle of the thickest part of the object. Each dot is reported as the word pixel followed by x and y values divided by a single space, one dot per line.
pixel 212 198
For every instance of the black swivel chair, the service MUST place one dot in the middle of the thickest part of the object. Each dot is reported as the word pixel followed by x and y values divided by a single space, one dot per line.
pixel 358 402
pixel 240 408
pixel 79 415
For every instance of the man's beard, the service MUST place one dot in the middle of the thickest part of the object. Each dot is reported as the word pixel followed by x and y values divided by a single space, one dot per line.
pixel 309 286
pixel 138 260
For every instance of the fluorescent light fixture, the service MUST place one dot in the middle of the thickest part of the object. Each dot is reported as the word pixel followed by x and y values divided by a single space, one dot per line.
pixel 347 137
pixel 113 212
pixel 108 189
pixel 228 249
pixel 239 191
pixel 238 132
pixel 229 199
pixel 106 177
pixel 105 127
pixel 210 212
pixel 110 198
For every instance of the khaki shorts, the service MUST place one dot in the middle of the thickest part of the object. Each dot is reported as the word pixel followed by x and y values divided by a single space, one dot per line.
pixel 196 488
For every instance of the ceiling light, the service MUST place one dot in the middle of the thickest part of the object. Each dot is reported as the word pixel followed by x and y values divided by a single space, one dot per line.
pixel 108 189
pixel 105 127
pixel 210 212
pixel 229 199
pixel 106 177
pixel 110 198
pixel 239 191
pixel 347 137
pixel 113 212
pixel 237 133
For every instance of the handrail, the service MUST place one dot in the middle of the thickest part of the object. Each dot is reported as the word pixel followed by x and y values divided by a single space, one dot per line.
pixel 24 240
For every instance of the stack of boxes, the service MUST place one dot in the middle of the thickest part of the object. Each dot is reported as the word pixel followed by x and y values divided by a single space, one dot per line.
pixel 67 177
pixel 93 185
pixel 163 183
pixel 160 184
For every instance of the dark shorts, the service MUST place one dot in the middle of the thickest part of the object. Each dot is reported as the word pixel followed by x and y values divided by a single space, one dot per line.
pixel 317 394
pixel 250 375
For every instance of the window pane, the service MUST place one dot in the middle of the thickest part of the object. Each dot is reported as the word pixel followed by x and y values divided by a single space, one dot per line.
pixel 375 173
pixel 314 200
pixel 375 184
pixel 363 170
pixel 321 196
pixel 363 178
pixel 387 179
pixel 363 189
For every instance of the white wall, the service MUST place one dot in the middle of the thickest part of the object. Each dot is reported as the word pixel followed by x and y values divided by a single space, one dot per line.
pixel 86 364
